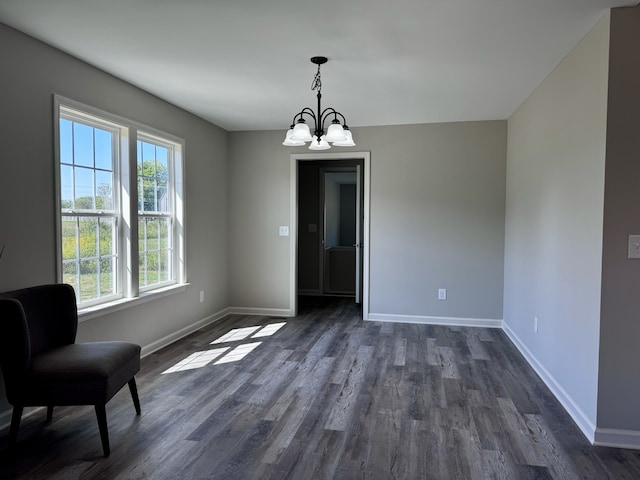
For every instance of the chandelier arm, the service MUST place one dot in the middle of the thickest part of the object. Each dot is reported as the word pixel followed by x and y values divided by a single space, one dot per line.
pixel 307 111
pixel 327 112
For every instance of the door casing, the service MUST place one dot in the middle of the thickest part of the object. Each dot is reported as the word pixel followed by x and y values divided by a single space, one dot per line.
pixel 295 158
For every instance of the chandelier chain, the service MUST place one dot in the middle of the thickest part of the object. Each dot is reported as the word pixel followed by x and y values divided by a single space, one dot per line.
pixel 316 84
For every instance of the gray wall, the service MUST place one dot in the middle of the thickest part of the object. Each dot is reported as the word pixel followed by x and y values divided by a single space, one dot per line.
pixel 258 203
pixel 555 194
pixel 619 387
pixel 437 218
pixel 32 72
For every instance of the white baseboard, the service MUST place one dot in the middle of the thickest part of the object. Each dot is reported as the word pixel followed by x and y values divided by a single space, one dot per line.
pixel 264 312
pixel 183 332
pixel 448 321
pixel 611 437
pixel 584 423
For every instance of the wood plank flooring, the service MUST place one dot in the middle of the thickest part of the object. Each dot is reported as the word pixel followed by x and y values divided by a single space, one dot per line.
pixel 327 396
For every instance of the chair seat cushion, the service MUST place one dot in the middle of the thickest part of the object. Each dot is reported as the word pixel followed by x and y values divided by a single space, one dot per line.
pixel 80 374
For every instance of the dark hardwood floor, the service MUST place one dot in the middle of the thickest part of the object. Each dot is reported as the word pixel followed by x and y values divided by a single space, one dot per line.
pixel 327 396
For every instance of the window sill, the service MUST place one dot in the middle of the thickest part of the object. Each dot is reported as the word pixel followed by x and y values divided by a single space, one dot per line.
pixel 123 303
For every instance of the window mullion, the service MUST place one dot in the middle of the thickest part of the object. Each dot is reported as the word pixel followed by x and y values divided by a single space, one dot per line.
pixel 98 255
pixel 77 233
pixel 130 212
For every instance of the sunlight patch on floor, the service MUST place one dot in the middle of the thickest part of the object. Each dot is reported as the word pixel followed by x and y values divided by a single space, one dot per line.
pixel 196 360
pixel 238 353
pixel 236 335
pixel 269 330
pixel 227 354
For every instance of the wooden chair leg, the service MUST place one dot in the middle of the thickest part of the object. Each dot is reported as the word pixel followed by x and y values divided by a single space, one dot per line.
pixel 134 394
pixel 101 414
pixel 15 424
pixel 49 413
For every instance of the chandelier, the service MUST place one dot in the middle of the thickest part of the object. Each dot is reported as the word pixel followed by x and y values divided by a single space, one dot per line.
pixel 299 133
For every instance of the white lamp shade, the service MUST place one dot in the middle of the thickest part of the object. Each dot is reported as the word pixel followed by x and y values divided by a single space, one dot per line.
pixel 288 142
pixel 323 145
pixel 301 133
pixel 348 142
pixel 335 133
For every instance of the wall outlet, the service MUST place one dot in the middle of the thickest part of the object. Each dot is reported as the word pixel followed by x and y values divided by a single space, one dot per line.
pixel 442 294
pixel 283 230
pixel 535 324
pixel 201 296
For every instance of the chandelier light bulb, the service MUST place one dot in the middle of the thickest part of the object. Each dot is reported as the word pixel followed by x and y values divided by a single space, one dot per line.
pixel 335 132
pixel 319 145
pixel 289 142
pixel 301 132
pixel 347 142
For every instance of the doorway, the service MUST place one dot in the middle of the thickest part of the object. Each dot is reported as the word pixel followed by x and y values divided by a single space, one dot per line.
pixel 329 228
pixel 330 225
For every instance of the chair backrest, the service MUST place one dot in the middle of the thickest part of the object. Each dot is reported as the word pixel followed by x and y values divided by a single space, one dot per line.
pixel 50 313
pixel 15 348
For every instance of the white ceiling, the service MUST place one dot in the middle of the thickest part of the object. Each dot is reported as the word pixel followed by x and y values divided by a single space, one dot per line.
pixel 244 64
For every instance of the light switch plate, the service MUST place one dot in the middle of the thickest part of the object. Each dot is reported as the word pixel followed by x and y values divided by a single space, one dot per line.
pixel 634 246
pixel 284 230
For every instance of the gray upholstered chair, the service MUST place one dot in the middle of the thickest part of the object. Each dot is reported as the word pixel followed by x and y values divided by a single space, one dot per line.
pixel 43 366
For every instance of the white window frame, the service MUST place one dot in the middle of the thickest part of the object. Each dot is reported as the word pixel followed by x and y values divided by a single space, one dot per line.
pixel 175 154
pixel 126 206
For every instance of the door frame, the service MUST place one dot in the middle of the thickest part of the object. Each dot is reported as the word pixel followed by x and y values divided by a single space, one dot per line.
pixel 295 158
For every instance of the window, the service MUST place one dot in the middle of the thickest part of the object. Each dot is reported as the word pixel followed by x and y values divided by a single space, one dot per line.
pixel 155 206
pixel 89 206
pixel 120 218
